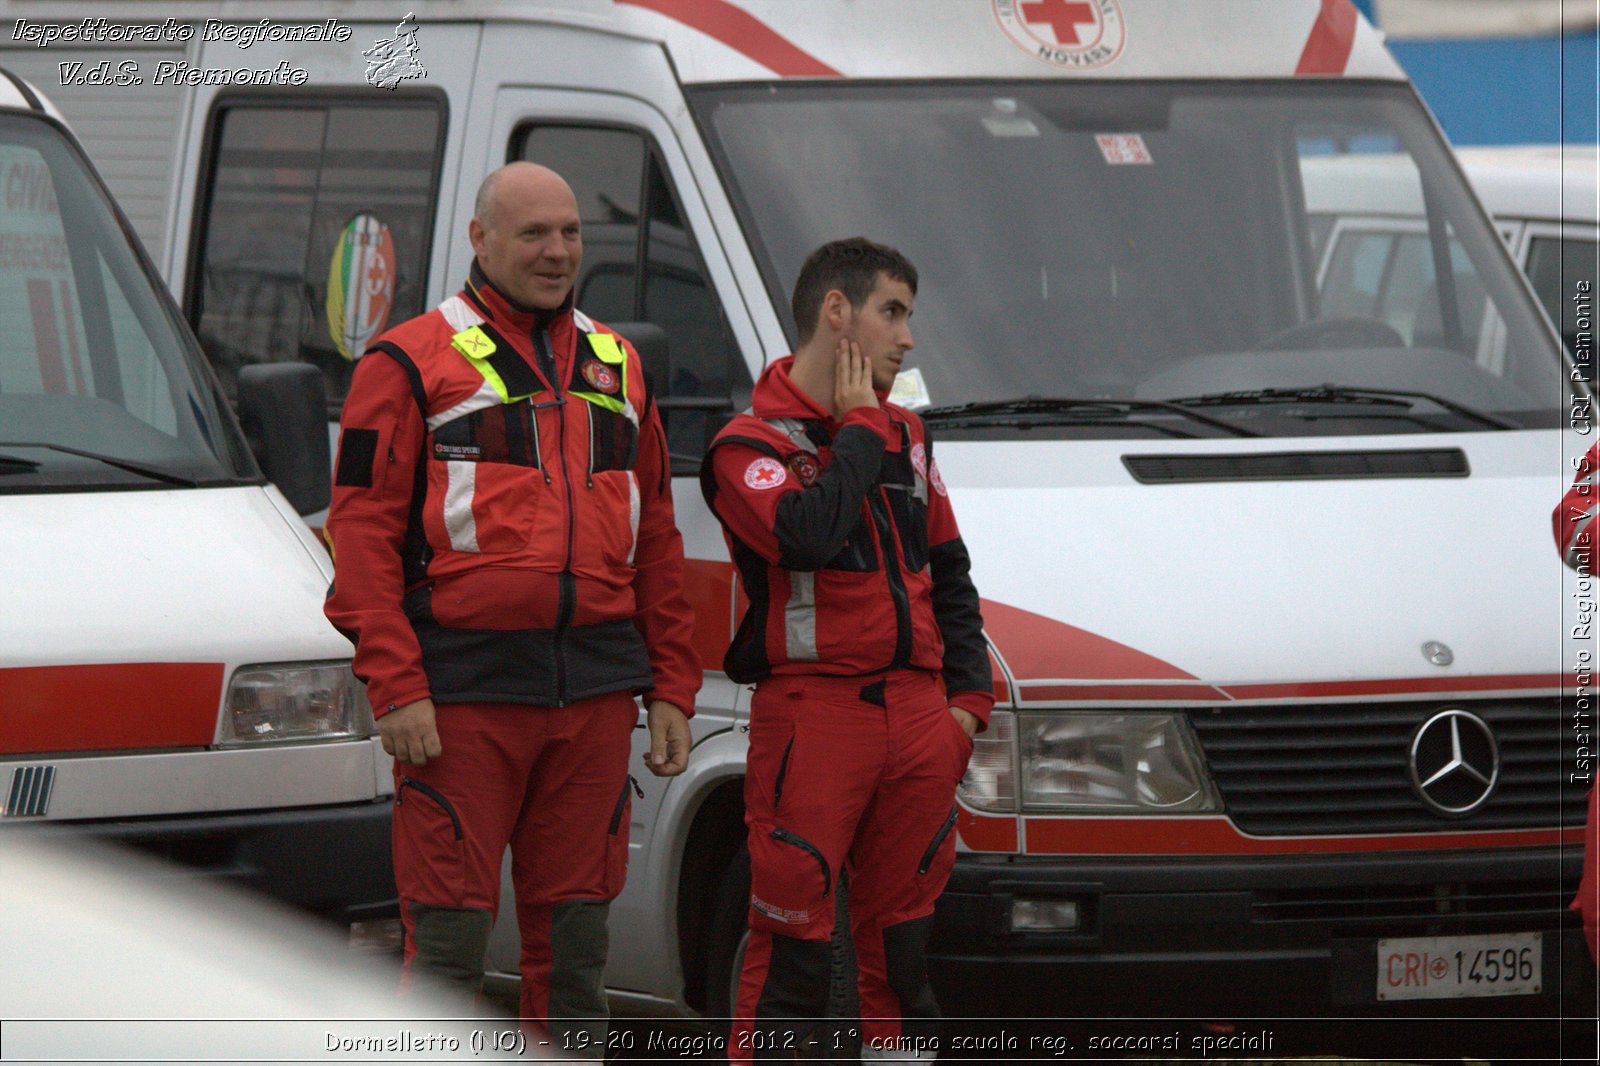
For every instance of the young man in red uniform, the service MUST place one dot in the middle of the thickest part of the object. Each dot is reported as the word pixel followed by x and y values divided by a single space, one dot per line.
pixel 865 641
pixel 510 572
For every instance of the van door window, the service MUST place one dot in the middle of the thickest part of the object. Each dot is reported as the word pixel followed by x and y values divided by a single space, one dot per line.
pixel 1562 270
pixel 316 222
pixel 640 264
pixel 100 386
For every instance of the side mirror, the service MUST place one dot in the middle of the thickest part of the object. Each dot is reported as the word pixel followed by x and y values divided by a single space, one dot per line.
pixel 283 410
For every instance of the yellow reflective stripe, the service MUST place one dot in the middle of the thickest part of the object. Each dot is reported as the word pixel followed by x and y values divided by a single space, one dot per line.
pixel 475 345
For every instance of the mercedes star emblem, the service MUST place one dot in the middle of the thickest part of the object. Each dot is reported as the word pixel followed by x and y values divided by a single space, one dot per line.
pixel 1455 762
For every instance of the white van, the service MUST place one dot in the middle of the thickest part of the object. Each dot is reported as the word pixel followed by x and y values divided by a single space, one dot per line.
pixel 165 678
pixel 1287 718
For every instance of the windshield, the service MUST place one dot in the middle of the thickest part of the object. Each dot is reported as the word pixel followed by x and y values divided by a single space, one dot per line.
pixel 1137 242
pixel 100 385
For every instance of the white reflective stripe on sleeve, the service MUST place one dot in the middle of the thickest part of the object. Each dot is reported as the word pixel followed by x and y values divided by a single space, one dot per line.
pixel 634 504
pixel 460 314
pixel 484 397
pixel 800 618
pixel 1581 556
pixel 582 321
pixel 458 520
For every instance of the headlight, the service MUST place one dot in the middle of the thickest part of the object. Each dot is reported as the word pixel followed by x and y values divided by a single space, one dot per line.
pixel 1075 761
pixel 990 783
pixel 294 701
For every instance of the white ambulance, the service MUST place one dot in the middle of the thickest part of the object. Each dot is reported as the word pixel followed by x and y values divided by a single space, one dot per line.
pixel 164 678
pixel 1294 715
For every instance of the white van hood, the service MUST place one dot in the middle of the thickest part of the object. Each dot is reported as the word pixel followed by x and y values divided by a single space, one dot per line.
pixel 193 575
pixel 1264 589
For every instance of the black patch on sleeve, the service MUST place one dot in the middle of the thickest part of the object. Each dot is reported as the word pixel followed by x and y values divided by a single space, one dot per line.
pixel 358 448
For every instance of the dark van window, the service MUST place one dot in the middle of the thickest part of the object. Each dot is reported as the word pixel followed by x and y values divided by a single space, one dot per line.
pixel 317 215
pixel 640 264
pixel 1563 273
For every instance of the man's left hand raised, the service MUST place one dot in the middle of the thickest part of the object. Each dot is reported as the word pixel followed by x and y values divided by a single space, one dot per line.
pixel 669 740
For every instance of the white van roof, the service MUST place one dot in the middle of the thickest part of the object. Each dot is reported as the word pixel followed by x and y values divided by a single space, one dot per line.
pixel 1550 182
pixel 753 40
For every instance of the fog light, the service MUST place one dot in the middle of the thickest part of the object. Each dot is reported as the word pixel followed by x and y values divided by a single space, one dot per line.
pixel 1044 915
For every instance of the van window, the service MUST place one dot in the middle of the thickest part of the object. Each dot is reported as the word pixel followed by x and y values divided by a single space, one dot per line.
pixel 316 217
pixel 100 386
pixel 640 264
pixel 1118 245
pixel 1563 272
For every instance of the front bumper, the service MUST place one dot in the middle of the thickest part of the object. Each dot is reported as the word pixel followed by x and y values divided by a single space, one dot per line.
pixel 1263 936
pixel 330 861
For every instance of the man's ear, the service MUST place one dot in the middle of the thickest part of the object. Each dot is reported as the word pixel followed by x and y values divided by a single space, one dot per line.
pixel 836 311
pixel 475 234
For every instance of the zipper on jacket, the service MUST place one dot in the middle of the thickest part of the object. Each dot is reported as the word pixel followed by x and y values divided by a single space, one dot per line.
pixel 622 801
pixel 889 552
pixel 783 770
pixel 433 794
pixel 811 849
pixel 567 585
pixel 938 838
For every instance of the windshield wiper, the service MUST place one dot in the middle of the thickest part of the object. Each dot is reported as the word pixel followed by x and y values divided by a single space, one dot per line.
pixel 150 472
pixel 1083 412
pixel 16 464
pixel 1337 394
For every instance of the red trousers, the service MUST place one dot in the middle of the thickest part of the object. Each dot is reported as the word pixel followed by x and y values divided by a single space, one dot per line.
pixel 860 771
pixel 552 783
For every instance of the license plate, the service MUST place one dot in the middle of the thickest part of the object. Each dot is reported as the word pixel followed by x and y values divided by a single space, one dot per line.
pixel 1456 967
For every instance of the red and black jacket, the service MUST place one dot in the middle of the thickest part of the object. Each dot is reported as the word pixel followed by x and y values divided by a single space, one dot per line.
pixel 845 544
pixel 502 515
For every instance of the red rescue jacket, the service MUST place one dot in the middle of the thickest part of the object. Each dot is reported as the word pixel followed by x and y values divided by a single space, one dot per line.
pixel 502 514
pixel 846 546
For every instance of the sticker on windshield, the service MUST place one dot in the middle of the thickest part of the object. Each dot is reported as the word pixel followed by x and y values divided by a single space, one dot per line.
pixel 909 390
pixel 360 284
pixel 1123 149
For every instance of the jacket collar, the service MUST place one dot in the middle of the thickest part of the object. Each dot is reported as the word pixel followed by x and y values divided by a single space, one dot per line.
pixel 505 312
pixel 777 396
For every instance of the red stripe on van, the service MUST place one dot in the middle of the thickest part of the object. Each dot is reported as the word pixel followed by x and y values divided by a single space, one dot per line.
pixel 1217 836
pixel 1112 693
pixel 108 707
pixel 708 586
pixel 982 832
pixel 742 32
pixel 1333 35
pixel 1036 647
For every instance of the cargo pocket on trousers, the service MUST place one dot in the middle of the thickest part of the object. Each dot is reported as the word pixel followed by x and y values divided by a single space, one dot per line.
pixel 939 856
pixel 429 846
pixel 791 884
pixel 617 838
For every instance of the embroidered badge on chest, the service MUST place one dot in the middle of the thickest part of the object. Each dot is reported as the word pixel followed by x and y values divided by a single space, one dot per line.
pixel 805 468
pixel 600 377
pixel 765 474
pixel 919 460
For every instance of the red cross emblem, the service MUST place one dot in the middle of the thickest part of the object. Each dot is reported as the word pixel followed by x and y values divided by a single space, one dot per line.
pixel 1064 17
pixel 765 473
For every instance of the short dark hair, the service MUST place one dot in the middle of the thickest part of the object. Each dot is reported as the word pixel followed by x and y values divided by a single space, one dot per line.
pixel 852 266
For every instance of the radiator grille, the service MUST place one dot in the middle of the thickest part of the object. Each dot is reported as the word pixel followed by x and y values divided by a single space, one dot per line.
pixel 1343 768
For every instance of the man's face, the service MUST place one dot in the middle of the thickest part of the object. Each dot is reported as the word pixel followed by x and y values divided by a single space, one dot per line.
pixel 532 246
pixel 882 326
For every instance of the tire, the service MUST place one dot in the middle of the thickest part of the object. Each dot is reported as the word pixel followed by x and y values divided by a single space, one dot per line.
pixel 725 947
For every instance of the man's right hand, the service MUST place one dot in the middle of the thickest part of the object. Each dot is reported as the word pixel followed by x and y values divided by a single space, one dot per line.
pixel 410 733
pixel 852 379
